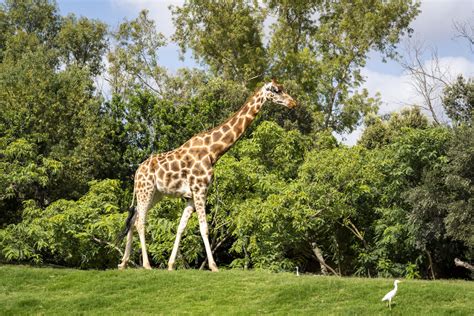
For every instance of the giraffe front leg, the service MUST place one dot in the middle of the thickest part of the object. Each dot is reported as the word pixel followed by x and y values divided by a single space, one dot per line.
pixel 201 211
pixel 188 210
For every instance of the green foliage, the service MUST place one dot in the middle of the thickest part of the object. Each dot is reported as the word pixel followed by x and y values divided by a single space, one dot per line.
pixel 280 151
pixel 134 59
pixel 82 42
pixel 286 195
pixel 38 17
pixel 322 45
pixel 53 134
pixel 316 46
pixel 442 202
pixel 225 35
pixel 24 174
pixel 71 233
pixel 459 182
pixel 458 101
pixel 381 131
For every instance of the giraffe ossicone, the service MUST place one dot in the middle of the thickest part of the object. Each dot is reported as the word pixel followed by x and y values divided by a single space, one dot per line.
pixel 187 172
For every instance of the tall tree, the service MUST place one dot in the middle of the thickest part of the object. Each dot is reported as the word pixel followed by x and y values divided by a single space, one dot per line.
pixel 53 129
pixel 134 58
pixel 225 35
pixel 40 17
pixel 82 42
pixel 322 45
pixel 443 206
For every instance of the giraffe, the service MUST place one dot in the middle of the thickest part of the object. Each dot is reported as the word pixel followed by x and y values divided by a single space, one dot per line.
pixel 187 172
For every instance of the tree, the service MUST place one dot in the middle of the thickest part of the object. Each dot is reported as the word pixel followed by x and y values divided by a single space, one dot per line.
pixel 316 48
pixel 416 152
pixel 322 45
pixel 134 58
pixel 458 101
pixel 82 42
pixel 428 78
pixel 381 131
pixel 443 205
pixel 225 35
pixel 39 17
pixel 54 137
pixel 465 29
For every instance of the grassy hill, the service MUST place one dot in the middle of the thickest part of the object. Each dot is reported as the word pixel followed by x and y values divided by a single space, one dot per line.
pixel 26 290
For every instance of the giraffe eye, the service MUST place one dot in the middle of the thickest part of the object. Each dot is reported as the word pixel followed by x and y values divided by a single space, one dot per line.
pixel 275 90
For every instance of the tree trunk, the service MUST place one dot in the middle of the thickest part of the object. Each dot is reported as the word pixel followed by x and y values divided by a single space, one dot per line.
pixel 319 255
pixel 431 264
pixel 463 264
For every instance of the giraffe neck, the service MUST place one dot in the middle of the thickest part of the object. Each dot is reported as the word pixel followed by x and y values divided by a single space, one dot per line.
pixel 225 135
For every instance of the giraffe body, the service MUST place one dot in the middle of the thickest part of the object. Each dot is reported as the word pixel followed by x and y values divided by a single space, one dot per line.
pixel 187 172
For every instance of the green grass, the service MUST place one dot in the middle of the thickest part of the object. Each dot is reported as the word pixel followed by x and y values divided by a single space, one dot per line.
pixel 26 290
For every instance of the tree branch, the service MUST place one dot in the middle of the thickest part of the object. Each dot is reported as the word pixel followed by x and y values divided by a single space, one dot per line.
pixel 427 80
pixel 465 30
pixel 463 264
pixel 431 264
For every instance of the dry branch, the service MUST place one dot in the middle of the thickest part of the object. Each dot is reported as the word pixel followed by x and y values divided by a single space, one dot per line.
pixel 111 245
pixel 463 264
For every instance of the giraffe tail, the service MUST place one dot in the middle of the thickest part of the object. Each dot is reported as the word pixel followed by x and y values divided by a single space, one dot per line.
pixel 126 227
pixel 128 222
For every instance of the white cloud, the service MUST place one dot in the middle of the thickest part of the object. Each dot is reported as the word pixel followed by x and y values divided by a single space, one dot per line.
pixel 159 11
pixel 396 90
pixel 435 22
pixel 455 66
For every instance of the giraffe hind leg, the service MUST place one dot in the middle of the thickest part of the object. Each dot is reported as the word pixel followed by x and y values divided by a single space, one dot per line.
pixel 128 246
pixel 146 199
pixel 127 231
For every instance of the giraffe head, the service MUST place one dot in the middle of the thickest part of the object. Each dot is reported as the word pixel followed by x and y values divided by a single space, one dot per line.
pixel 274 92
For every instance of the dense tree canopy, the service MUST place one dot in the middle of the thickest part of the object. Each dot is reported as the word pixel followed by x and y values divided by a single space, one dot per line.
pixel 399 203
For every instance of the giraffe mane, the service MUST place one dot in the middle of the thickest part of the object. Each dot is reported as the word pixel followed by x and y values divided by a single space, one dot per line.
pixel 248 100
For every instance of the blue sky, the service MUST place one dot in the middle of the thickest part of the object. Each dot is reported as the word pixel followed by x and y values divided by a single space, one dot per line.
pixel 433 27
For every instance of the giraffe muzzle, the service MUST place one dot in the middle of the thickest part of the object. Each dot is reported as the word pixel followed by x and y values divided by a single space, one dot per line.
pixel 292 104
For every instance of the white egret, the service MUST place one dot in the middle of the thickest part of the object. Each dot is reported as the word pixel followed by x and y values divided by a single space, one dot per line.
pixel 388 297
pixel 297 272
